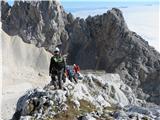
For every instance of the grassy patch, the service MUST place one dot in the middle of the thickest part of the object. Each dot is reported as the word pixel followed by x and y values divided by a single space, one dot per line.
pixel 145 118
pixel 112 108
pixel 86 106
pixel 107 112
pixel 72 112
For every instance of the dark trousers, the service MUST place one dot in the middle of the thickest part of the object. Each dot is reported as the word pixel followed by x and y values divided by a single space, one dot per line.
pixel 59 79
pixel 72 77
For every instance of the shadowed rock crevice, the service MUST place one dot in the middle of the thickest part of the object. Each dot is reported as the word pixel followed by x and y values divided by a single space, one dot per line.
pixel 152 84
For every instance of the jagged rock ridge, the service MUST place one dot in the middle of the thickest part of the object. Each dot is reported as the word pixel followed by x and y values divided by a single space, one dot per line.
pixel 105 42
pixel 99 42
pixel 37 22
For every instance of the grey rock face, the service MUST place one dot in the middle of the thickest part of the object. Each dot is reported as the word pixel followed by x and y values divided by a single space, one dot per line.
pixel 151 84
pixel 37 22
pixel 5 10
pixel 105 42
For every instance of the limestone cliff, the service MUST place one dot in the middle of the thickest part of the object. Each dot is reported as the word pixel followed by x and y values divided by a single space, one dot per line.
pixel 105 42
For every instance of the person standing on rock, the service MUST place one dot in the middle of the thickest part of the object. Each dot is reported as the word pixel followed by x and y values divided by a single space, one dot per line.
pixel 57 68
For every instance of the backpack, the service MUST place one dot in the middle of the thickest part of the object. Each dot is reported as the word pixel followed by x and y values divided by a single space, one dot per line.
pixel 59 62
pixel 70 71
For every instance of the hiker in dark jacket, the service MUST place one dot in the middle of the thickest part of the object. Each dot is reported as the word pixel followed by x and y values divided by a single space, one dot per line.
pixel 57 68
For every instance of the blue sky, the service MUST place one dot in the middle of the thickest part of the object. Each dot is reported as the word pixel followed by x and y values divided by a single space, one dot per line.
pixel 12 1
pixel 113 0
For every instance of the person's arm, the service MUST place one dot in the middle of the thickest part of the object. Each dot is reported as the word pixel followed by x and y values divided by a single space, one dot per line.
pixel 64 65
pixel 78 68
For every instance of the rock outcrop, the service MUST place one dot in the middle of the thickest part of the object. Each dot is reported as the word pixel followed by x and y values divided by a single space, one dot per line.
pixel 99 42
pixel 94 97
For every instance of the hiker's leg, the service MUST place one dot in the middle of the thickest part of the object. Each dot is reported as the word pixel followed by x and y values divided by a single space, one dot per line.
pixel 75 79
pixel 64 78
pixel 70 78
pixel 60 75
pixel 53 82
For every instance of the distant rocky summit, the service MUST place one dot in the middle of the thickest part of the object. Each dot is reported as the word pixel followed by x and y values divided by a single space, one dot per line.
pixel 38 22
pixel 102 42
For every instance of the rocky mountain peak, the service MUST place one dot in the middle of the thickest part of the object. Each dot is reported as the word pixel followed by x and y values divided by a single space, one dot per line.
pixel 5 9
pixel 37 22
pixel 104 42
pixel 117 15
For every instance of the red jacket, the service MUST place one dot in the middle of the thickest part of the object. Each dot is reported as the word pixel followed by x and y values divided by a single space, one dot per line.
pixel 76 69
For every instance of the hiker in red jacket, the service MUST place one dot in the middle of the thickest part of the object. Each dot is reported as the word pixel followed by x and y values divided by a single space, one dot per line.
pixel 76 68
